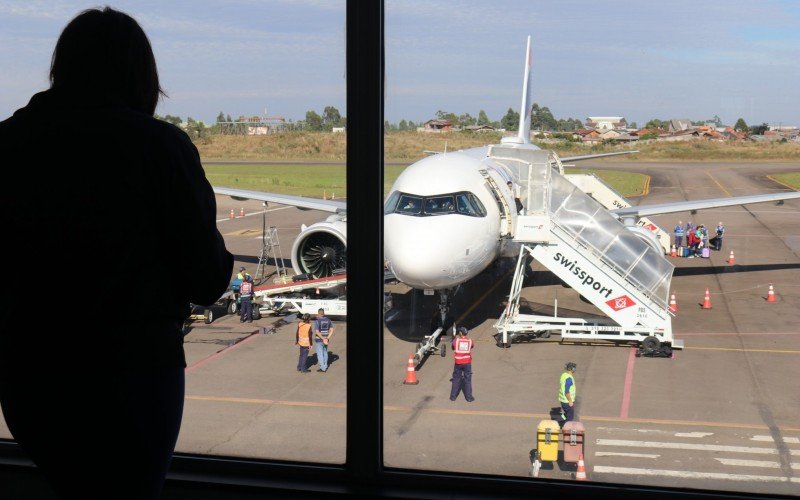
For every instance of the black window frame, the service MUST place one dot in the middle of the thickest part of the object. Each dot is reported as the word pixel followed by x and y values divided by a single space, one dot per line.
pixel 363 473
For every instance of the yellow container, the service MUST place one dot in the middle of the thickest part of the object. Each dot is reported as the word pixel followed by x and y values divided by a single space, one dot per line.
pixel 547 440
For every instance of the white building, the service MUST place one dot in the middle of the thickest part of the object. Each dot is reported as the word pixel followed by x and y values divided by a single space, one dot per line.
pixel 606 122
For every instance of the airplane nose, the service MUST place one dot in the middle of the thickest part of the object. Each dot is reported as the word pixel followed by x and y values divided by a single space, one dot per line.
pixel 429 252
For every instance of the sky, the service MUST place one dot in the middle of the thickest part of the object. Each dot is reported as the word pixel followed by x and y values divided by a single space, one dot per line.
pixel 674 59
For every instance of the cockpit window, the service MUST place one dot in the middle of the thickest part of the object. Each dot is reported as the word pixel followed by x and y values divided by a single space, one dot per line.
pixel 443 204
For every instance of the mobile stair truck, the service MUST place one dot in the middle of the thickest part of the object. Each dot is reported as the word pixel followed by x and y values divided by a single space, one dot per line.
pixel 621 272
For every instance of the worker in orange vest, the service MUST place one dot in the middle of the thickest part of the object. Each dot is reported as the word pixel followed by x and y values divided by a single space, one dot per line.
pixel 302 338
pixel 462 370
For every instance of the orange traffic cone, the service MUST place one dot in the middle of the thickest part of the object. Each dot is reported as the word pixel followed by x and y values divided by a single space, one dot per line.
pixel 707 301
pixel 241 212
pixel 674 252
pixel 581 474
pixel 731 260
pixel 232 214
pixel 771 294
pixel 673 306
pixel 317 292
pixel 411 372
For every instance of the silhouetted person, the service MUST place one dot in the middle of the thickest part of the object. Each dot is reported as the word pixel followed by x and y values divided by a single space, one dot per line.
pixel 92 378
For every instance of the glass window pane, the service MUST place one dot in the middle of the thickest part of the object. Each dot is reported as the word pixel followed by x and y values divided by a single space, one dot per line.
pixel 602 82
pixel 259 88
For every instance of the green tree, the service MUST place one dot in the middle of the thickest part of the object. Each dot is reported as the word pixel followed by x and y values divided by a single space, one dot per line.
pixel 741 126
pixel 403 125
pixel 633 125
pixel 313 121
pixel 331 118
pixel 196 129
pixel 175 120
pixel 220 117
pixel 655 123
pixel 482 118
pixel 445 115
pixel 466 119
pixel 759 129
pixel 511 120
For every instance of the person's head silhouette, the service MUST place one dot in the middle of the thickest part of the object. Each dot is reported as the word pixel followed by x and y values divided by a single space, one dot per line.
pixel 106 53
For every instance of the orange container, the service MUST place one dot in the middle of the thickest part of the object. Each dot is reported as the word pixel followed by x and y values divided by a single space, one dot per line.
pixel 573 438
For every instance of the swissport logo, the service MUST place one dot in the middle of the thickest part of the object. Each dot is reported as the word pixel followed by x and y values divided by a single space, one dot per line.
pixel 620 303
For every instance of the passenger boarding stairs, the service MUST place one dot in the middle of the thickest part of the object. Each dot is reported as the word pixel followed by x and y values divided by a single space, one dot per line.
pixel 576 238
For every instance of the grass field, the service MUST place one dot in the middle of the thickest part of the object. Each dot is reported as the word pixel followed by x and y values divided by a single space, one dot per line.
pixel 316 181
pixel 792 179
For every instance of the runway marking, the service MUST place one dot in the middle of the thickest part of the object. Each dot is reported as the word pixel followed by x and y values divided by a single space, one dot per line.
pixel 267 402
pixel 736 349
pixel 693 434
pixel 218 354
pixel 618 454
pixel 781 183
pixel 484 413
pixel 602 469
pixel 691 446
pixel 254 213
pixel 473 306
pixel 753 463
pixel 717 183
pixel 646 188
pixel 702 334
pixel 626 393
pixel 792 440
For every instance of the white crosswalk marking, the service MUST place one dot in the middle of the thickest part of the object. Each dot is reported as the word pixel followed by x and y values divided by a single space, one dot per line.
pixel 690 446
pixel 601 469
pixel 693 434
pixel 770 439
pixel 619 454
pixel 754 463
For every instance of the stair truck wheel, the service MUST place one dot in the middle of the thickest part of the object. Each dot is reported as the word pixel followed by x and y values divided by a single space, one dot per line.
pixel 233 307
pixel 651 342
pixel 208 316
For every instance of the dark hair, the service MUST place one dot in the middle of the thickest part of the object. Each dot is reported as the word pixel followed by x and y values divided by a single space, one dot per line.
pixel 107 52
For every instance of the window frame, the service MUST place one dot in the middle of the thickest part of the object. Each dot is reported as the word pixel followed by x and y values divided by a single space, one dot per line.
pixel 363 472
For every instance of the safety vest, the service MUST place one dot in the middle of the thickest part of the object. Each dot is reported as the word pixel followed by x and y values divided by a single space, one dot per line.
pixel 679 230
pixel 462 347
pixel 323 325
pixel 562 396
pixel 246 289
pixel 304 334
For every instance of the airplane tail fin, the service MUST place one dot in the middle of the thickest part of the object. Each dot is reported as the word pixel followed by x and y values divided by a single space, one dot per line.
pixel 527 102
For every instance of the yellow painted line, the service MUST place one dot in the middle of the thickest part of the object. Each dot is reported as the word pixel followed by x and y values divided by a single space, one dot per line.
pixel 486 413
pixel 773 179
pixel 718 184
pixel 646 188
pixel 278 402
pixel 776 351
pixel 473 306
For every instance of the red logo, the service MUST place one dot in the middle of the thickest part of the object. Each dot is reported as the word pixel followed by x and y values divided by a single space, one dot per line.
pixel 620 303
pixel 651 227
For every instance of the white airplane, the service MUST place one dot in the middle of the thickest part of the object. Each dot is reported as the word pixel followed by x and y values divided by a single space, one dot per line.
pixel 443 215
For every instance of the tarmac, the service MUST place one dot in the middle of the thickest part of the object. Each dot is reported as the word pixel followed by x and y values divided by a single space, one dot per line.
pixel 722 414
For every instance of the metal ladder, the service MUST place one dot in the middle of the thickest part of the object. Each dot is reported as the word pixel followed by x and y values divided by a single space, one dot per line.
pixel 270 247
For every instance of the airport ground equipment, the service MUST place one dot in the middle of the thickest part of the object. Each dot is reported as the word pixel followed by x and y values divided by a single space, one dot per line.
pixel 303 296
pixel 607 196
pixel 612 266
pixel 270 248
pixel 550 438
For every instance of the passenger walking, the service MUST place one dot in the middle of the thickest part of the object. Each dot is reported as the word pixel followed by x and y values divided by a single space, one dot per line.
pixel 117 388
pixel 679 231
pixel 323 333
pixel 567 392
pixel 718 238
pixel 246 296
pixel 302 338
pixel 515 190
pixel 462 369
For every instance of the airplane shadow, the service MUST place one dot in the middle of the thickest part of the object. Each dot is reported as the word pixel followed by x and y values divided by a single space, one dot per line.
pixel 253 259
pixel 736 268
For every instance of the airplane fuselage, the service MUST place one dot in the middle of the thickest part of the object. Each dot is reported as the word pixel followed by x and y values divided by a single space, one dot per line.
pixel 430 244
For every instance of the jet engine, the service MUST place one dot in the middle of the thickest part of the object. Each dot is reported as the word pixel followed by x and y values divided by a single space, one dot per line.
pixel 321 248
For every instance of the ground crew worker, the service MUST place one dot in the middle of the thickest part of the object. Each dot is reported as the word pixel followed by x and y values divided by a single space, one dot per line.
pixel 323 332
pixel 242 274
pixel 718 238
pixel 679 231
pixel 246 294
pixel 462 369
pixel 515 191
pixel 302 338
pixel 566 393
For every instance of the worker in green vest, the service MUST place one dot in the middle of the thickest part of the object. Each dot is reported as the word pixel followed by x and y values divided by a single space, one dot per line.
pixel 566 393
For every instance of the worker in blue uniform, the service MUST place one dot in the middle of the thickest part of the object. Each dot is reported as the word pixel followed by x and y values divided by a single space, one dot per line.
pixel 246 293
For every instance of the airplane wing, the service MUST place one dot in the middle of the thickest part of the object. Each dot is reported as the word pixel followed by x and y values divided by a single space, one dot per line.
pixel 683 206
pixel 300 202
pixel 599 155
